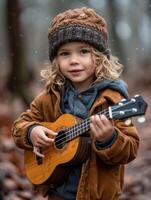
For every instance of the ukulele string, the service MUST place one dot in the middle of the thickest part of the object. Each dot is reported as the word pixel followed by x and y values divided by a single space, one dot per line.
pixel 68 131
pixel 74 130
pixel 73 133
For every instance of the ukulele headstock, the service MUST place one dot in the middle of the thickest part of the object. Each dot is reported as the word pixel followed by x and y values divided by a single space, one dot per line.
pixel 135 106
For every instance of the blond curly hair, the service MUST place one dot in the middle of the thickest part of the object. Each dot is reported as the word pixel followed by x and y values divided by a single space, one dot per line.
pixel 106 69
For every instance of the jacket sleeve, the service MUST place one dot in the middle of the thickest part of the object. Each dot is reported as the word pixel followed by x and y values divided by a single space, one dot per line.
pixel 125 147
pixel 29 118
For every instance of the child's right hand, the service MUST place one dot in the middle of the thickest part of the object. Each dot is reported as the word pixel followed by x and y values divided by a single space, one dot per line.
pixel 41 136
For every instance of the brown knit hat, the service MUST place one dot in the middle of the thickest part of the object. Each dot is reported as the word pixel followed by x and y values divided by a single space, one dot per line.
pixel 80 24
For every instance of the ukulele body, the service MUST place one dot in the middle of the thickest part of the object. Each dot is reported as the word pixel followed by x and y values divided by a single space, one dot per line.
pixel 59 159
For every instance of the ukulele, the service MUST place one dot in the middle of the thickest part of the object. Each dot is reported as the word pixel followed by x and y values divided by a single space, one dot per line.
pixel 69 146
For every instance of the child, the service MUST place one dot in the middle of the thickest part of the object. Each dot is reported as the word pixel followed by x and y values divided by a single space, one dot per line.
pixel 82 80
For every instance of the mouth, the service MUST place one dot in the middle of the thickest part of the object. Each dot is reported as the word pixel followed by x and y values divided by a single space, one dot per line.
pixel 76 71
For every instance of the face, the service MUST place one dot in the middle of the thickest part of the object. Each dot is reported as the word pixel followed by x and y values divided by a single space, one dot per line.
pixel 76 64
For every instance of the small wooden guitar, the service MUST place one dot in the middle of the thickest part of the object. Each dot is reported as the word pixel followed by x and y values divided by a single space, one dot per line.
pixel 68 147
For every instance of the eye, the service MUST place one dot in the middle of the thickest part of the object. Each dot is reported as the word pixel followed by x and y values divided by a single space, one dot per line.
pixel 85 51
pixel 64 53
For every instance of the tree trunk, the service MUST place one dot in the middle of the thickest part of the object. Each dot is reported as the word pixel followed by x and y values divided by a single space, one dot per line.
pixel 19 73
pixel 117 46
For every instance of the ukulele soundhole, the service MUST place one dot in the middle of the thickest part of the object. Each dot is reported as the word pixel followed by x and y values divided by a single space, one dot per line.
pixel 60 140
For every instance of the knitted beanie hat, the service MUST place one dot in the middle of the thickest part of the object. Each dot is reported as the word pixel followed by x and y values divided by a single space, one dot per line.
pixel 80 24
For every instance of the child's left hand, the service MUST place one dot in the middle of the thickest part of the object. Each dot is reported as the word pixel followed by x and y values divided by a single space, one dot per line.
pixel 101 128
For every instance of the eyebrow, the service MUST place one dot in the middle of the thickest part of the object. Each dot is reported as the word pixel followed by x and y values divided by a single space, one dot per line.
pixel 79 47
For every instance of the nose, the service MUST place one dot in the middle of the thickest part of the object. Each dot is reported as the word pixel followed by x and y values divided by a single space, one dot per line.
pixel 74 59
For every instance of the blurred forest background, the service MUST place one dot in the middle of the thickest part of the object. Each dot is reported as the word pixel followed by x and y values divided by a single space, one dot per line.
pixel 24 52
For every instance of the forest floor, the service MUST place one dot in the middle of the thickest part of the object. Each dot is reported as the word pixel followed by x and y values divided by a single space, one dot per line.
pixel 14 185
pixel 138 172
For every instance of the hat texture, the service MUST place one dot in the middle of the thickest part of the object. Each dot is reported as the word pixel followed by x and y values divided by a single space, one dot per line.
pixel 80 24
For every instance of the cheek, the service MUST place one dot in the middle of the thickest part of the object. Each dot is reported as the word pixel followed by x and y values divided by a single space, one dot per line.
pixel 91 62
pixel 92 68
pixel 60 64
pixel 62 68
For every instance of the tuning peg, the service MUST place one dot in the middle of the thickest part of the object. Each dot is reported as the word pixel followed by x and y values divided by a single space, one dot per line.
pixel 141 119
pixel 123 100
pixel 128 122
pixel 133 100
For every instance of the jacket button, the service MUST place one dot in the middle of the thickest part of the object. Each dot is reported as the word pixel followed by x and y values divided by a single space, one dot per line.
pixel 80 96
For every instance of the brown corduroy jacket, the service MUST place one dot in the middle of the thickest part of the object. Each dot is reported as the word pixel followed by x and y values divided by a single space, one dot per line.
pixel 102 174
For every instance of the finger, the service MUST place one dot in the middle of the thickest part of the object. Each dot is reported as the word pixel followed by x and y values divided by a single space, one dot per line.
pixel 101 122
pixel 97 122
pixel 50 132
pixel 36 150
pixel 93 129
pixel 95 134
pixel 104 120
pixel 45 139
pixel 41 143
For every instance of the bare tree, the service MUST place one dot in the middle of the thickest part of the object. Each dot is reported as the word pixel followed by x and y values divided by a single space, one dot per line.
pixel 19 73
pixel 114 15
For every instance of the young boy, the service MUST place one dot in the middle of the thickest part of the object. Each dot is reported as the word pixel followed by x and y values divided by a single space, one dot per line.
pixel 83 79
